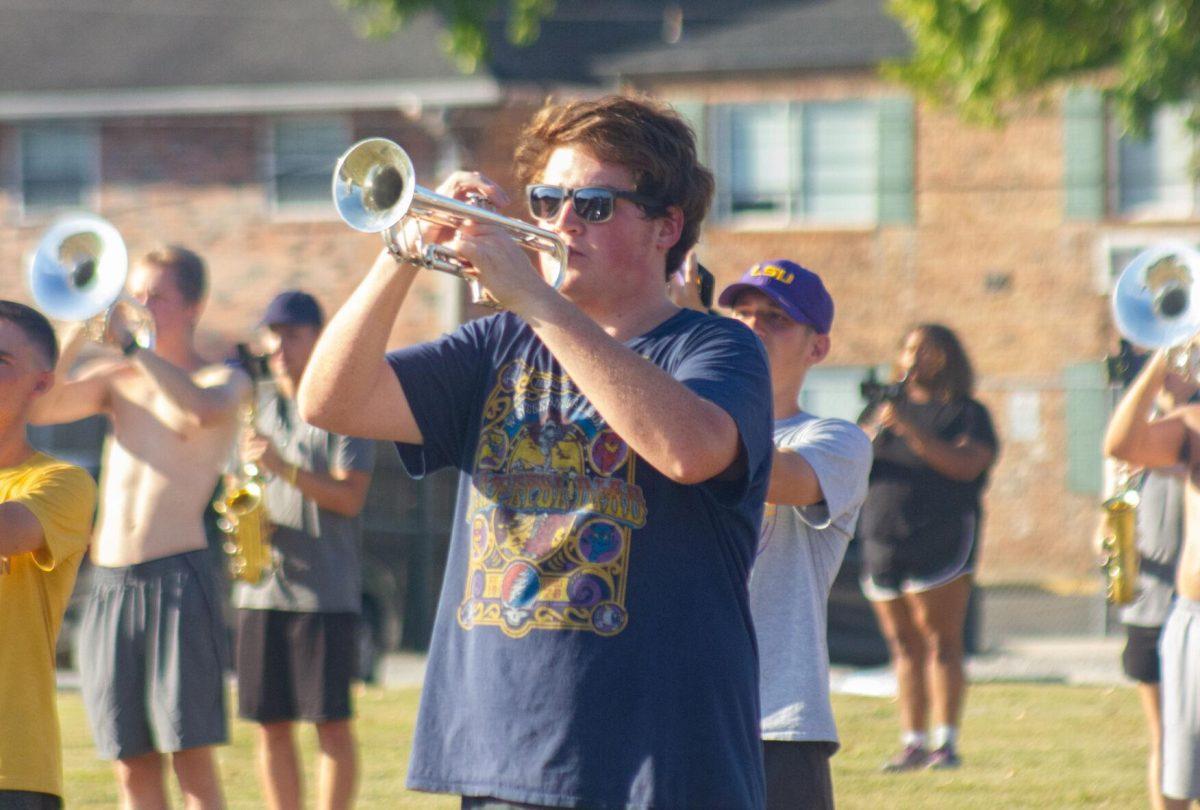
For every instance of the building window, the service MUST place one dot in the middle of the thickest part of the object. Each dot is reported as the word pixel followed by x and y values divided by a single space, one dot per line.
pixel 1154 172
pixel 303 154
pixel 58 167
pixel 835 391
pixel 814 162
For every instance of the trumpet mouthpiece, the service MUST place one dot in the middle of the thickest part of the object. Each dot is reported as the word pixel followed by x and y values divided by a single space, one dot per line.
pixel 383 187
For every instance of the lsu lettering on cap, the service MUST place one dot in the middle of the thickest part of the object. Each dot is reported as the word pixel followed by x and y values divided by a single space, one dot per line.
pixel 798 291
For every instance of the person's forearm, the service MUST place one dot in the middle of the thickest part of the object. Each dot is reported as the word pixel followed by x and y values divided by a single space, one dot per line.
pixel 344 369
pixel 201 406
pixel 793 481
pixel 683 435
pixel 1128 426
pixel 958 462
pixel 340 495
pixel 20 530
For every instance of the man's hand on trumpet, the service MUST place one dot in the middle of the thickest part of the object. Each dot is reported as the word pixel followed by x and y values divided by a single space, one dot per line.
pixel 497 260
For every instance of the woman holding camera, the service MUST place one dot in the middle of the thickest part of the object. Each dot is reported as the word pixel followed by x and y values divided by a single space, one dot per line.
pixel 934 445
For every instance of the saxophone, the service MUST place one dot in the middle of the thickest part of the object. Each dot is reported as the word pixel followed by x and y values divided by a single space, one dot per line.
pixel 1119 546
pixel 243 510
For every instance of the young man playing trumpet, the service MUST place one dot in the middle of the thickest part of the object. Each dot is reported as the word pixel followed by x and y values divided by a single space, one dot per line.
pixel 593 646
pixel 1140 440
pixel 154 646
pixel 45 518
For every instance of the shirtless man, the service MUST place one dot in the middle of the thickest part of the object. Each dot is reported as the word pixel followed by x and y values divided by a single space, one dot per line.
pixel 153 639
pixel 1137 439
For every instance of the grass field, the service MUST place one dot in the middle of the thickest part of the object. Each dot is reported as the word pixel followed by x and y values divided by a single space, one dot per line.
pixel 1024 745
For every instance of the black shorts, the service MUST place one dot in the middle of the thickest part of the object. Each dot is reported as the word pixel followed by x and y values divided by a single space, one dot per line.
pixel 889 571
pixel 1139 659
pixel 28 800
pixel 295 666
pixel 798 775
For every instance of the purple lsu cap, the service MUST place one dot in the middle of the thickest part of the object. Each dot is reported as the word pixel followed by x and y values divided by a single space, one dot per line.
pixel 293 307
pixel 798 292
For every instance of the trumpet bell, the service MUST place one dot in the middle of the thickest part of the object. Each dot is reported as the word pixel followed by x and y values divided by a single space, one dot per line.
pixel 373 185
pixel 1155 304
pixel 375 190
pixel 78 270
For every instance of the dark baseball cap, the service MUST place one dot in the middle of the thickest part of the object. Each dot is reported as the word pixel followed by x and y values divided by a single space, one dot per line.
pixel 798 291
pixel 293 307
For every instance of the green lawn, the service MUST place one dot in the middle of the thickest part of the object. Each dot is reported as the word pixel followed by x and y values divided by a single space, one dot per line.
pixel 1024 745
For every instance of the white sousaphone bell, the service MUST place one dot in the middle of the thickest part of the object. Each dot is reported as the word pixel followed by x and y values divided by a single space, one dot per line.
pixel 1156 301
pixel 375 191
pixel 77 273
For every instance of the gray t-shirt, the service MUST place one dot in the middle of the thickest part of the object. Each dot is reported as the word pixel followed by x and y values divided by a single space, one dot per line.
pixel 1159 534
pixel 799 552
pixel 317 551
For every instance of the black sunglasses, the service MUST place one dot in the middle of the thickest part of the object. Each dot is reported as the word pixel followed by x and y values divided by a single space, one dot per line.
pixel 592 204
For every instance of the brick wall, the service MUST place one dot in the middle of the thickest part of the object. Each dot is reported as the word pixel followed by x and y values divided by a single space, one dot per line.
pixel 199 181
pixel 989 204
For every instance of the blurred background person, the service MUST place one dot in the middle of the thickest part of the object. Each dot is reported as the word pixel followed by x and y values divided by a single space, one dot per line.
pixel 1139 439
pixel 934 445
pixel 296 627
pixel 46 508
pixel 692 285
pixel 153 637
pixel 1159 535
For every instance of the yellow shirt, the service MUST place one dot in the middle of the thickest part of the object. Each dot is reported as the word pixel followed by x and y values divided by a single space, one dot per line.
pixel 33 598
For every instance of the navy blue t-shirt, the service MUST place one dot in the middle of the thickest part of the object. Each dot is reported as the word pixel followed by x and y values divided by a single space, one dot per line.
pixel 593 643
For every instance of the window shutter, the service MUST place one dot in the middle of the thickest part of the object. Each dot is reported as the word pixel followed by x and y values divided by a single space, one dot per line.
pixel 306 151
pixel 1087 414
pixel 896 156
pixel 57 166
pixel 1083 153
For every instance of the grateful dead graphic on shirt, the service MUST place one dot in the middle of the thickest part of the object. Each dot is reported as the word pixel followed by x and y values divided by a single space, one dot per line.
pixel 552 508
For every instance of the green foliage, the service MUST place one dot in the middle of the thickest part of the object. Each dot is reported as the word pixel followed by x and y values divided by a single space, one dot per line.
pixel 466 37
pixel 977 54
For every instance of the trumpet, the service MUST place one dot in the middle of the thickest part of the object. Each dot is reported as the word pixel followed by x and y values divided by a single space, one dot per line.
pixel 1155 306
pixel 375 191
pixel 77 273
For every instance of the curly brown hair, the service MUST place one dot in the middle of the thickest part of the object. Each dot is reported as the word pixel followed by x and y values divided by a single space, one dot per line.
pixel 956 379
pixel 642 134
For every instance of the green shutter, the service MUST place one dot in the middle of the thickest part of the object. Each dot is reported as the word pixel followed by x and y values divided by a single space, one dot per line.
pixel 1083 153
pixel 896 145
pixel 1087 414
pixel 693 113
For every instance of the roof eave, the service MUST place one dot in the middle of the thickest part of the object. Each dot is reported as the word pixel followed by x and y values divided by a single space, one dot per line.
pixel 257 99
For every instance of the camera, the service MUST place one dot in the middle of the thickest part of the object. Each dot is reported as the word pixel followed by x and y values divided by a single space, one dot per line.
pixel 875 392
pixel 1123 366
pixel 256 365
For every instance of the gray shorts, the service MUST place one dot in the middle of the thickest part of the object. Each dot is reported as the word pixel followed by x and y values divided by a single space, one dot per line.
pixel 1179 648
pixel 154 653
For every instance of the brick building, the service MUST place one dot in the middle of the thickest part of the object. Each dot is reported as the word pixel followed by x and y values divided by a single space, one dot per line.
pixel 216 123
